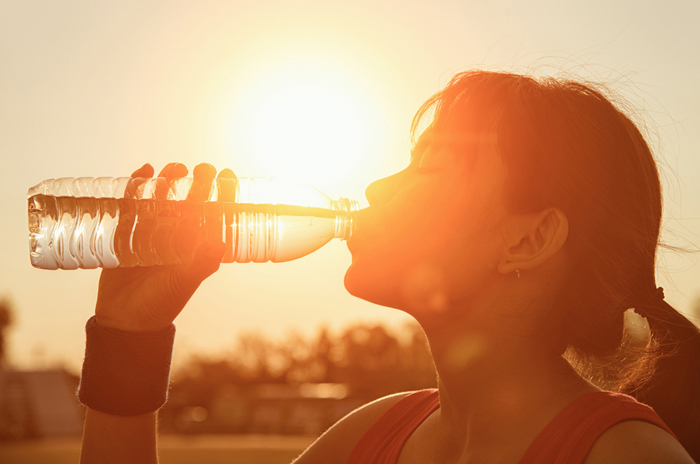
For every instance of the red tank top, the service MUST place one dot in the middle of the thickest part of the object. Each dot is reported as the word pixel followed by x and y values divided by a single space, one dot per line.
pixel 565 440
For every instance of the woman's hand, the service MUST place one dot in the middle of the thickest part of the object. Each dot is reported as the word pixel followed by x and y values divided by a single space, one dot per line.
pixel 149 298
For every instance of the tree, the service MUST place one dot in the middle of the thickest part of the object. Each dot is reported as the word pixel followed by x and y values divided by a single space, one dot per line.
pixel 6 319
pixel 369 359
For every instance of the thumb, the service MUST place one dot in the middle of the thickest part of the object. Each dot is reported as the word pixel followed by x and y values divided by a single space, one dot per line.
pixel 207 260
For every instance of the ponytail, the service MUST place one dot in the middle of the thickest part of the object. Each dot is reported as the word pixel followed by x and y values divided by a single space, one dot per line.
pixel 667 377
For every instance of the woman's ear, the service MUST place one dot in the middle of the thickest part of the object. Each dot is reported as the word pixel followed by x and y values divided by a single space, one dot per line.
pixel 529 239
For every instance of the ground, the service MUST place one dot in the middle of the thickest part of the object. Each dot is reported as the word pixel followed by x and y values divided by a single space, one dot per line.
pixel 174 449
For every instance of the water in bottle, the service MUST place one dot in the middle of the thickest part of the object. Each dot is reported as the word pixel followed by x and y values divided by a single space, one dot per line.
pixel 123 222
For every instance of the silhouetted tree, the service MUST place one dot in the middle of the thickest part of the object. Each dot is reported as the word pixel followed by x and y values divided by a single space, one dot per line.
pixel 6 319
pixel 367 358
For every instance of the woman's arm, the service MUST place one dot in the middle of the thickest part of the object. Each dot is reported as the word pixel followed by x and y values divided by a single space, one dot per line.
pixel 637 442
pixel 138 303
pixel 119 439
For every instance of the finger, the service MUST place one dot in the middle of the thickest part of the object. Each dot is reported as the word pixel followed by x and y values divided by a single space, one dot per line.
pixel 227 186
pixel 170 172
pixel 173 171
pixel 144 171
pixel 227 174
pixel 137 179
pixel 203 175
pixel 207 259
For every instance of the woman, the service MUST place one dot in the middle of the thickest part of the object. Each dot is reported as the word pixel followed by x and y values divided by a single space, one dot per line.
pixel 523 229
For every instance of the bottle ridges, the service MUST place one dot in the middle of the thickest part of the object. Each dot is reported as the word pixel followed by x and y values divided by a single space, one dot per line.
pixel 86 232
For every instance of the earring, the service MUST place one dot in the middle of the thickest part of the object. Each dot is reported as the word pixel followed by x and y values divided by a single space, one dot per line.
pixel 517 272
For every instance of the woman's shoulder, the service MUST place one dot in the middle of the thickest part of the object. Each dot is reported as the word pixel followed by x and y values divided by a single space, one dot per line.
pixel 336 444
pixel 637 442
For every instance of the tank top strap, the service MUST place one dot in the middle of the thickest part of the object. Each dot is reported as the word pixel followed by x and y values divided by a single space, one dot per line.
pixel 382 442
pixel 568 438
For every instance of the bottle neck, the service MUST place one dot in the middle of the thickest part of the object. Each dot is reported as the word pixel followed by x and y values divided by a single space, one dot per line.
pixel 346 217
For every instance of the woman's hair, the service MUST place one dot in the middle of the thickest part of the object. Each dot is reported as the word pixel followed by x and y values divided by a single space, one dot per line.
pixel 565 145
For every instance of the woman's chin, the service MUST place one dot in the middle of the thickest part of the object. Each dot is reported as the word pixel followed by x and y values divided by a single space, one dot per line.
pixel 357 283
pixel 370 286
pixel 417 289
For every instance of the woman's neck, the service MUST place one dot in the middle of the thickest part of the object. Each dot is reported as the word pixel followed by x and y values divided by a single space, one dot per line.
pixel 496 392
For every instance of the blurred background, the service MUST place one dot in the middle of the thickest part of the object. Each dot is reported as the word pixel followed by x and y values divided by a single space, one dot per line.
pixel 321 91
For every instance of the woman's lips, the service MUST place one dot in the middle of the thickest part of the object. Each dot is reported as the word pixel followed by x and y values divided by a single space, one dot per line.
pixel 359 235
pixel 371 230
pixel 353 242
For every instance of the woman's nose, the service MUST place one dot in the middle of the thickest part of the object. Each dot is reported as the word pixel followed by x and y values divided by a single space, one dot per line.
pixel 382 190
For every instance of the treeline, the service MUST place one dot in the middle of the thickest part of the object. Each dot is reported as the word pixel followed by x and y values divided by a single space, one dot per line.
pixel 369 360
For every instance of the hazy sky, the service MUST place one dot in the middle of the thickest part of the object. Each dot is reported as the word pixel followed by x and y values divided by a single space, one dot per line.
pixel 97 88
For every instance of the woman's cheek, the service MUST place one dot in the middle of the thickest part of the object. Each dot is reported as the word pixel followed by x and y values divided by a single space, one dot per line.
pixel 400 248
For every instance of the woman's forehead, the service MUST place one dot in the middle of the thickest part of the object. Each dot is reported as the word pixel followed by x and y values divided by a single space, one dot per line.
pixel 423 142
pixel 466 145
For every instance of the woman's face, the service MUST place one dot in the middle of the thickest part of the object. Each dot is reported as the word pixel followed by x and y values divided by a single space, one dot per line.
pixel 430 238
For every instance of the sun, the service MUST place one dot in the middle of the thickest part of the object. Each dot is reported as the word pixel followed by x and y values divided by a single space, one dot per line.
pixel 306 119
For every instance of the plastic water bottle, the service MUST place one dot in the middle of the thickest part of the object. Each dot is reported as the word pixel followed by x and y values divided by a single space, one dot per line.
pixel 125 222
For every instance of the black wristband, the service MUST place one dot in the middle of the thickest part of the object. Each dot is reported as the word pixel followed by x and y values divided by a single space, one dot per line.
pixel 125 373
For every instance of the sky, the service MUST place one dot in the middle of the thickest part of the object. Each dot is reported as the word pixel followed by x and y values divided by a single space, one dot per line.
pixel 323 91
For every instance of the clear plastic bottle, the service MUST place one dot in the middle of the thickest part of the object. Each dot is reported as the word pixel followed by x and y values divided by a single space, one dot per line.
pixel 124 222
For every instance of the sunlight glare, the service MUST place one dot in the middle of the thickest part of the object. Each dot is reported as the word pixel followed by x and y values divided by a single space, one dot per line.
pixel 307 120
